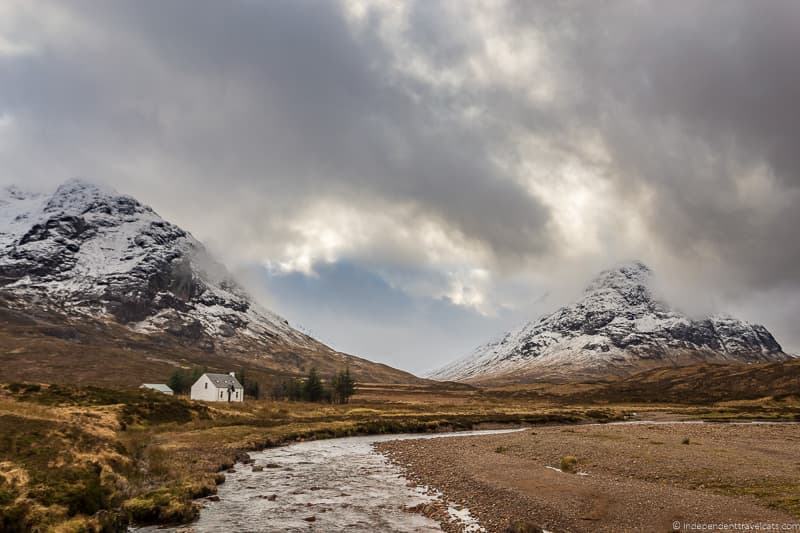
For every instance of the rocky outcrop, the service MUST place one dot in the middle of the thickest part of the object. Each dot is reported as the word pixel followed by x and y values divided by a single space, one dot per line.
pixel 98 252
pixel 618 326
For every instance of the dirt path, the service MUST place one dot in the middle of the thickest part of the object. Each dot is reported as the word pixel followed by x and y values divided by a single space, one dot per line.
pixel 637 478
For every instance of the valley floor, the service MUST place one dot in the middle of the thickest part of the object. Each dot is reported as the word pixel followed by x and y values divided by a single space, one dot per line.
pixel 96 459
pixel 644 477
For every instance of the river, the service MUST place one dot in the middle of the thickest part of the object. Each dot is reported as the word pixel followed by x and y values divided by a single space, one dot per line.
pixel 325 485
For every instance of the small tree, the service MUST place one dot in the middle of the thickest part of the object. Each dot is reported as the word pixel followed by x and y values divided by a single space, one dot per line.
pixel 344 386
pixel 181 380
pixel 313 391
pixel 295 390
pixel 252 388
pixel 334 390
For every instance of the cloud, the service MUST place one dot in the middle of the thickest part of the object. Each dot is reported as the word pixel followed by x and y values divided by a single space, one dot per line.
pixel 475 153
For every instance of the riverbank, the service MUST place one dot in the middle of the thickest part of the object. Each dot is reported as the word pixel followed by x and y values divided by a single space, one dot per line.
pixel 93 459
pixel 639 477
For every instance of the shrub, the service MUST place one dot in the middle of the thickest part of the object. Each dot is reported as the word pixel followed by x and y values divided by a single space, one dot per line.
pixel 500 449
pixel 569 463
pixel 161 507
pixel 523 526
pixel 685 440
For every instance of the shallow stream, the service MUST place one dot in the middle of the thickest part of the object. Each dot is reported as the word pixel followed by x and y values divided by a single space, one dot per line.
pixel 325 485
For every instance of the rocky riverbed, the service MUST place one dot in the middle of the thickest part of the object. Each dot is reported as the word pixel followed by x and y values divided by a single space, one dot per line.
pixel 625 477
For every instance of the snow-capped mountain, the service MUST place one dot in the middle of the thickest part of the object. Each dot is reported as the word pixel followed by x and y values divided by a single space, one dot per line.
pixel 88 251
pixel 617 327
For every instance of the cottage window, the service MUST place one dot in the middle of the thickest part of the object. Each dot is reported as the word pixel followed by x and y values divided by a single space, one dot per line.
pixel 206 384
pixel 237 393
pixel 220 394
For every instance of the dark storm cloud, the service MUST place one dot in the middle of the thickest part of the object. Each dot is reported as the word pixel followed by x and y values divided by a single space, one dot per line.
pixel 250 122
pixel 278 97
pixel 691 98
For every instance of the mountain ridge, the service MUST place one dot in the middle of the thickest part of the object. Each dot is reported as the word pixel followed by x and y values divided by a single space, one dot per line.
pixel 617 327
pixel 90 253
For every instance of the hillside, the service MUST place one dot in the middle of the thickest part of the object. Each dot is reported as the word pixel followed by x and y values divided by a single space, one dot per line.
pixel 92 280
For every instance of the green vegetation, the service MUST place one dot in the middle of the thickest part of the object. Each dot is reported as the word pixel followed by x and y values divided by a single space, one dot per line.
pixel 778 495
pixel 569 463
pixel 523 526
pixel 339 390
pixel 312 388
pixel 252 388
pixel 181 380
pixel 343 386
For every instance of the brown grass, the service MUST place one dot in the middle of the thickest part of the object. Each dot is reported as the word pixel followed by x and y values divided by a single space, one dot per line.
pixel 73 457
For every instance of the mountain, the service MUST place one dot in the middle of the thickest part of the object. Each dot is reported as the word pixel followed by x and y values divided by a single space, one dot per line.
pixel 88 265
pixel 618 327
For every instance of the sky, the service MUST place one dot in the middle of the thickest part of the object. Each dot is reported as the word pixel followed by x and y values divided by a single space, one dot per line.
pixel 406 180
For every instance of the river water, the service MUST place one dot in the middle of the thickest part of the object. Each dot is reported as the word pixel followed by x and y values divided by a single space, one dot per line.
pixel 325 485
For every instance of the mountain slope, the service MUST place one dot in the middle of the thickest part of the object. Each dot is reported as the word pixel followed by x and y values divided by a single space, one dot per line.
pixel 617 327
pixel 86 254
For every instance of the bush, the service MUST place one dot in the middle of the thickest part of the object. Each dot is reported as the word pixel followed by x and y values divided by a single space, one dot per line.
pixel 161 507
pixel 569 463
pixel 523 526
pixel 181 380
pixel 76 488
pixel 685 440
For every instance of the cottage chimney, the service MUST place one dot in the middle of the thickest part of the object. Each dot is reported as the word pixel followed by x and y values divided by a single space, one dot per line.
pixel 232 374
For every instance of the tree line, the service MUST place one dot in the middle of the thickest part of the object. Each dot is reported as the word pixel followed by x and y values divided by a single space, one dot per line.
pixel 339 388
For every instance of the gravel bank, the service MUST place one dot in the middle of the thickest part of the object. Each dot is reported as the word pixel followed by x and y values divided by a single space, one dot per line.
pixel 631 477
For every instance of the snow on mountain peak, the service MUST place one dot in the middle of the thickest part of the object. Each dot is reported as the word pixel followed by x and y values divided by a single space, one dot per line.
pixel 624 276
pixel 98 252
pixel 617 326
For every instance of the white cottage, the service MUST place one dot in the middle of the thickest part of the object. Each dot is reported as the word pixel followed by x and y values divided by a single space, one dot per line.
pixel 218 388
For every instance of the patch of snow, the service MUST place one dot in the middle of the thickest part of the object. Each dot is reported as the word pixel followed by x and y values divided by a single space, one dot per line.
pixel 617 322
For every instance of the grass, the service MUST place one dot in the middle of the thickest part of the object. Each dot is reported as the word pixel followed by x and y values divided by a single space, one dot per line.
pixel 96 459
pixel 778 495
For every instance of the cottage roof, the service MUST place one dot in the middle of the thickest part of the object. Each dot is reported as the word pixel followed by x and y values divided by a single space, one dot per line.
pixel 160 387
pixel 223 381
